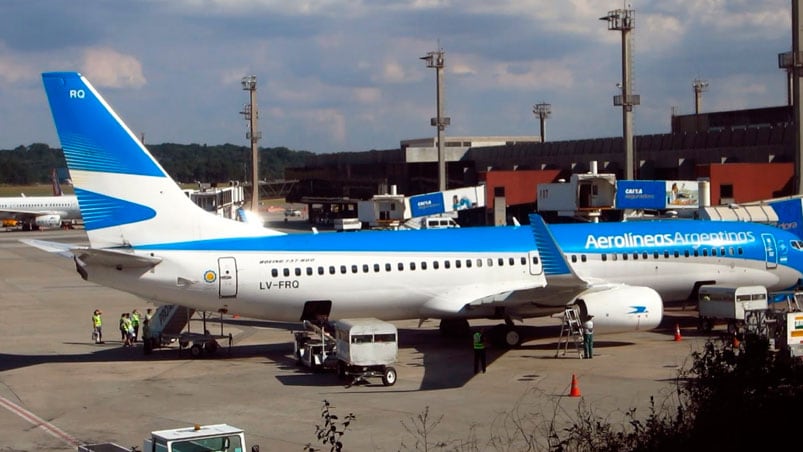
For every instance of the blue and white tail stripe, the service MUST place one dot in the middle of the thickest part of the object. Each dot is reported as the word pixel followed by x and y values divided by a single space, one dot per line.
pixel 126 197
pixel 551 255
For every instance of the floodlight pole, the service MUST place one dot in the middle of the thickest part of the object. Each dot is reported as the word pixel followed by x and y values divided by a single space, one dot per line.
pixel 542 111
pixel 251 115
pixel 436 60
pixel 624 20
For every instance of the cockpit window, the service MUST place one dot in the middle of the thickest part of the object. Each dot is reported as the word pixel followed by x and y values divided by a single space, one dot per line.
pixel 797 244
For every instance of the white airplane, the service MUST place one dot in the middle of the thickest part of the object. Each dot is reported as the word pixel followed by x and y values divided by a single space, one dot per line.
pixel 148 239
pixel 41 211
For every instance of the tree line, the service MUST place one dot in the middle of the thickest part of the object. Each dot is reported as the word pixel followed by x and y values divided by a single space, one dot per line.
pixel 27 165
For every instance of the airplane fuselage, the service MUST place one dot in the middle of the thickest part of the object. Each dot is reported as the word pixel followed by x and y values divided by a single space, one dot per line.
pixel 414 267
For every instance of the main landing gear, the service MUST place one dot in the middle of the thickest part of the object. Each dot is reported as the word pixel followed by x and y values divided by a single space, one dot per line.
pixel 504 335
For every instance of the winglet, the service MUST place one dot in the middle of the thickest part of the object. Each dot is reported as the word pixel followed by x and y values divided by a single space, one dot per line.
pixel 552 257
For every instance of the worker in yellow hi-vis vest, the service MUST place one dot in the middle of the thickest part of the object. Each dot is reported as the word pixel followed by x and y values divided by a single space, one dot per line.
pixel 479 351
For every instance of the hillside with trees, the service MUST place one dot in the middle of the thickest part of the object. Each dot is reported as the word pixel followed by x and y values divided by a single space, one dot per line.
pixel 27 165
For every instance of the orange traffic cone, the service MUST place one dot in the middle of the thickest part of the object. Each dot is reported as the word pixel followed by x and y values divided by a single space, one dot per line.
pixel 735 341
pixel 678 337
pixel 575 391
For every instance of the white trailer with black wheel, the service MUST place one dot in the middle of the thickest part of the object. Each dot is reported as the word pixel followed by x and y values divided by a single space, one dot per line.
pixel 366 348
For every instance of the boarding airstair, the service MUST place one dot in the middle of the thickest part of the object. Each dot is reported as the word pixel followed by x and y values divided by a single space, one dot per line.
pixel 571 330
pixel 170 324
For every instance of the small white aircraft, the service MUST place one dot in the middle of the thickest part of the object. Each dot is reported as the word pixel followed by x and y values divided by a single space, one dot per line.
pixel 147 238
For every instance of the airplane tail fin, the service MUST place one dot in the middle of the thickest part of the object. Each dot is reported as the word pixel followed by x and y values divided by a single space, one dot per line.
pixel 126 197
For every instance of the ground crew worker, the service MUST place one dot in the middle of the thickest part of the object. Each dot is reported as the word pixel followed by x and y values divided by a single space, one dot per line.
pixel 588 338
pixel 135 324
pixel 479 351
pixel 126 329
pixel 97 323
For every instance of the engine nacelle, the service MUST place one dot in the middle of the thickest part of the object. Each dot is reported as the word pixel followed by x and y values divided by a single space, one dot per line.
pixel 622 309
pixel 48 221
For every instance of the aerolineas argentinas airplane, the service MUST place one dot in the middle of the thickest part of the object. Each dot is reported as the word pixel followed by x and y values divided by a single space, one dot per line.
pixel 147 238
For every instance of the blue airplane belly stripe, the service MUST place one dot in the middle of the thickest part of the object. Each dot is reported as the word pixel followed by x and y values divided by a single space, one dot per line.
pixel 462 240
pixel 79 113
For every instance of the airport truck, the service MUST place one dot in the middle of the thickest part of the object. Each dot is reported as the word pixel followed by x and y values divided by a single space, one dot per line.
pixel 366 348
pixel 218 437
pixel 733 305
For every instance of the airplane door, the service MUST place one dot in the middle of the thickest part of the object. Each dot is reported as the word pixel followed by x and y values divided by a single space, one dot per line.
pixel 536 268
pixel 770 250
pixel 228 277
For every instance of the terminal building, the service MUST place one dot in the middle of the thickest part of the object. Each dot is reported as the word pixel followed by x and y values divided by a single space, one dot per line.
pixel 746 155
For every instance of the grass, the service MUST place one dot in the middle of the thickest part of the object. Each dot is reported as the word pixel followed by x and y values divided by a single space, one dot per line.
pixel 31 190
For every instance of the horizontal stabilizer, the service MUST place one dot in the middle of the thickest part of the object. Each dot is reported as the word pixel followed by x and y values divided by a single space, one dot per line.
pixel 115 258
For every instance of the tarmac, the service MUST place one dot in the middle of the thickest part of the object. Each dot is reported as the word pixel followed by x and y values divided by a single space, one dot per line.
pixel 58 389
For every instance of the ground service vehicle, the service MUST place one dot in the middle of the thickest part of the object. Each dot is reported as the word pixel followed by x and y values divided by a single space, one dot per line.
pixel 206 438
pixel 366 348
pixel 729 304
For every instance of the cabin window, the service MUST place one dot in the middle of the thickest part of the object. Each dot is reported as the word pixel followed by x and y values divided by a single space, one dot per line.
pixel 354 269
pixel 343 269
pixel 331 269
pixel 511 261
pixel 676 254
pixel 479 262
pixel 666 254
pixel 655 255
pixel 387 267
pixel 740 251
pixel 376 268
pixel 365 268
pixel 574 258
pixel 705 252
pixel 320 270
pixel 446 264
pixel 696 253
pixel 583 258
pixel 412 265
pixel 309 271
pixel 298 271
pixel 624 256
pixel 635 256
pixel 501 261
pixel 400 266
pixel 286 272
pixel 523 260
pixel 423 265
pixel 468 263
pixel 713 251
pixel 457 263
pixel 491 262
pixel 274 273
pixel 604 257
pixel 722 251
pixel 645 255
pixel 730 251
pixel 435 265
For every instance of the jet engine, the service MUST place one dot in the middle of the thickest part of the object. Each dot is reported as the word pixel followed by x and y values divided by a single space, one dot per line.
pixel 622 309
pixel 48 221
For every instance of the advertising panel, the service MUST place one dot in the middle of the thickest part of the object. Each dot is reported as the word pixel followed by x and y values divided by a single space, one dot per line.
pixel 427 204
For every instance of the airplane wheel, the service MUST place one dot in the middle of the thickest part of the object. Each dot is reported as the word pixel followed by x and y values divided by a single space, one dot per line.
pixel 512 337
pixel 389 376
pixel 195 350
pixel 211 346
pixel 341 370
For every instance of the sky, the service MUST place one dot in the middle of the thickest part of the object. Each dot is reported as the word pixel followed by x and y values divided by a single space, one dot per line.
pixel 346 75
